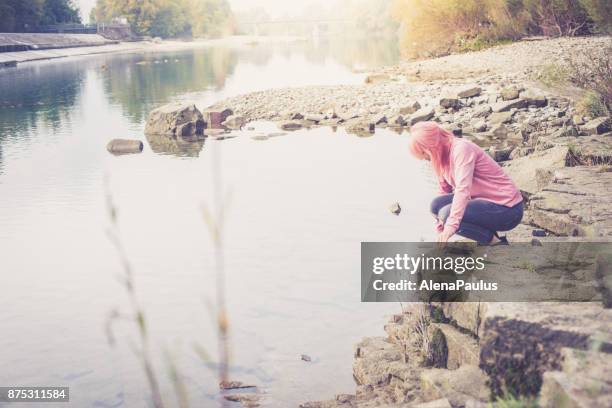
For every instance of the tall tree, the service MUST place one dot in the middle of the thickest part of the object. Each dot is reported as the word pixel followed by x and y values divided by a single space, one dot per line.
pixel 26 15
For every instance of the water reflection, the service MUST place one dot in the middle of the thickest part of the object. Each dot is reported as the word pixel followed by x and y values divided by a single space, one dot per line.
pixel 25 101
pixel 140 83
pixel 176 146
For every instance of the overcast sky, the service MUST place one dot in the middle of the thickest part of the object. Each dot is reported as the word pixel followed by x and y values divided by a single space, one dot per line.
pixel 273 7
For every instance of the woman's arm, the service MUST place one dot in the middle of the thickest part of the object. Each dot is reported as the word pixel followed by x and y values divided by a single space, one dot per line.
pixel 444 187
pixel 464 160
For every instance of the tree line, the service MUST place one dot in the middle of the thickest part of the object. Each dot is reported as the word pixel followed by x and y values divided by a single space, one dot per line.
pixel 437 27
pixel 27 15
pixel 168 18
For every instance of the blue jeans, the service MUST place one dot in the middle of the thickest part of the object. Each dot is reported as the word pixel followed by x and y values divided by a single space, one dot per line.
pixel 481 219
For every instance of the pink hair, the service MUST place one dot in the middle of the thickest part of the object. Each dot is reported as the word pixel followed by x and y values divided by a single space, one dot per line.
pixel 429 137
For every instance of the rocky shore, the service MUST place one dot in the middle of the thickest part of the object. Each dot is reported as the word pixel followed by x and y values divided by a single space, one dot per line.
pixel 467 354
pixel 558 158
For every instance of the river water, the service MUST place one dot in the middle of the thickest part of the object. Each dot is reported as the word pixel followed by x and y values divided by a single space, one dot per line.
pixel 298 207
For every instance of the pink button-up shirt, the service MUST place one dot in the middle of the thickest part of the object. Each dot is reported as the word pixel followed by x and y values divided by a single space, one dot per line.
pixel 473 174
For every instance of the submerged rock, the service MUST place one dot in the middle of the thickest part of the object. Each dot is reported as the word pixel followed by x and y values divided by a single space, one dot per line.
pixel 395 208
pixel 176 119
pixel 124 146
pixel 232 385
pixel 291 125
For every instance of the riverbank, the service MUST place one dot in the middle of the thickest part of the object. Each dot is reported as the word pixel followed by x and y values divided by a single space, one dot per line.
pixel 90 44
pixel 560 158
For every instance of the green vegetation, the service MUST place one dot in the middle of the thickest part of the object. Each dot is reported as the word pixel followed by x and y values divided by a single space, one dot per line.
pixel 593 72
pixel 27 15
pixel 168 18
pixel 509 401
pixel 592 105
pixel 588 71
pixel 553 75
pixel 438 27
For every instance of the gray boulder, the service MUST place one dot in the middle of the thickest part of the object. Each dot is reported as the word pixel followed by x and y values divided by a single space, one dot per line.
pixel 523 170
pixel 176 119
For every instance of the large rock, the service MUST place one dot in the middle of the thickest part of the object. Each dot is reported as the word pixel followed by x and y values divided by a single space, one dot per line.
pixel 422 115
pixel 521 341
pixel 585 381
pixel 176 119
pixel 523 170
pixel 576 202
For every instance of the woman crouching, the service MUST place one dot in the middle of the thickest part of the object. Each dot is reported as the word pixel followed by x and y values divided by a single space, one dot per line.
pixel 477 199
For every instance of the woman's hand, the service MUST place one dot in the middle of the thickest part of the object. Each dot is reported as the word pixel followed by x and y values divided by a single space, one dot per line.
pixel 444 236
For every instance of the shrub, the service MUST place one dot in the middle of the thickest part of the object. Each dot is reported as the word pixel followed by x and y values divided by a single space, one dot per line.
pixel 592 104
pixel 593 72
pixel 437 27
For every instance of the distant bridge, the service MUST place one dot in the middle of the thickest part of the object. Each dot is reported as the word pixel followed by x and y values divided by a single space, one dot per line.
pixel 316 27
